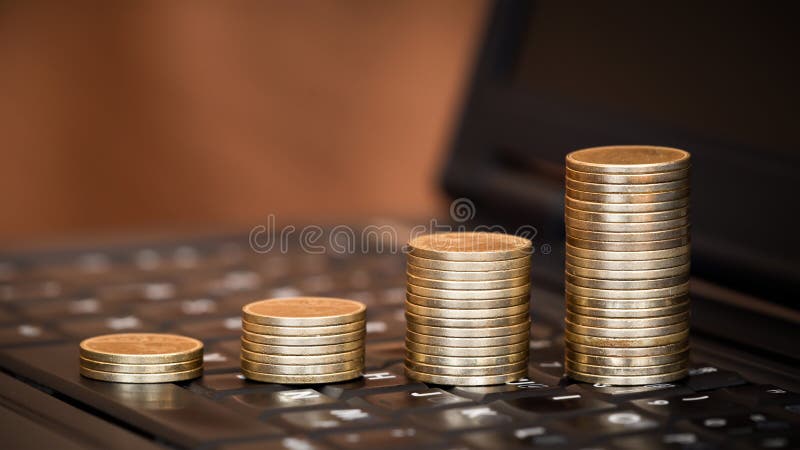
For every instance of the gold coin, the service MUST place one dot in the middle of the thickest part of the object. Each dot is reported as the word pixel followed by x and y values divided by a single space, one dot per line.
pixel 627 188
pixel 649 197
pixel 470 371
pixel 470 246
pixel 583 205
pixel 468 285
pixel 627 238
pixel 452 275
pixel 141 348
pixel 141 368
pixel 457 332
pixel 630 294
pixel 467 342
pixel 470 266
pixel 642 178
pixel 271 339
pixel 474 294
pixel 619 361
pixel 492 313
pixel 625 371
pixel 626 227
pixel 302 379
pixel 301 360
pixel 301 350
pixel 627 332
pixel 495 322
pixel 614 274
pixel 641 322
pixel 304 312
pixel 599 217
pixel 462 352
pixel 629 352
pixel 616 309
pixel 437 303
pixel 627 255
pixel 604 264
pixel 628 381
pixel 472 361
pixel 672 247
pixel 303 331
pixel 310 369
pixel 602 341
pixel 447 380
pixel 655 283
pixel 117 377
pixel 627 159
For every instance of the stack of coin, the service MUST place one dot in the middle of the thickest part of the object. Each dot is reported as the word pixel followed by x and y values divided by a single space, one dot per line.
pixel 627 265
pixel 303 340
pixel 141 358
pixel 467 308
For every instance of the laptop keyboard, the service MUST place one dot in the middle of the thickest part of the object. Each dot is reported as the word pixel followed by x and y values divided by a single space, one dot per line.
pixel 48 303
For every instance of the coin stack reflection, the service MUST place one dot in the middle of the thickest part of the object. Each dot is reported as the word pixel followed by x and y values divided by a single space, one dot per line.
pixel 303 340
pixel 627 265
pixel 467 308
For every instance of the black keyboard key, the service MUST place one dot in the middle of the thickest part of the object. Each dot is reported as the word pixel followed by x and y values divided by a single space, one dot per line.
pixel 757 395
pixel 211 329
pixel 410 400
pixel 537 436
pixel 382 354
pixel 384 438
pixel 739 424
pixel 565 402
pixel 259 404
pixel 668 440
pixel 789 439
pixel 284 443
pixel 391 378
pixel 616 393
pixel 701 404
pixel 463 418
pixel 27 333
pixel 386 325
pixel 85 328
pixel 229 383
pixel 707 377
pixel 58 310
pixel 524 386
pixel 329 419
pixel 606 423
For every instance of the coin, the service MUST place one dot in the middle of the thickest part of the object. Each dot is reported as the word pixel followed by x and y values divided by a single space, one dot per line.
pixel 141 368
pixel 626 332
pixel 451 275
pixel 303 331
pixel 428 302
pixel 301 350
pixel 467 323
pixel 617 308
pixel 467 342
pixel 655 283
pixel 630 294
pixel 302 379
pixel 271 339
pixel 141 348
pixel 626 227
pixel 600 341
pixel 627 159
pixel 456 371
pixel 641 322
pixel 652 264
pixel 309 369
pixel 469 266
pixel 599 217
pixel 619 361
pixel 472 361
pixel 627 238
pixel 625 371
pixel 615 255
pixel 583 205
pixel 627 188
pixel 470 246
pixel 447 380
pixel 629 381
pixel 456 332
pixel 474 294
pixel 461 352
pixel 642 178
pixel 301 360
pixel 141 377
pixel 615 274
pixel 629 352
pixel 303 311
pixel 628 198
pixel 467 313
pixel 468 285
pixel 669 247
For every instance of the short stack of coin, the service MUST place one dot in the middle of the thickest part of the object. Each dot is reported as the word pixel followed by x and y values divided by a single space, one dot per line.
pixel 467 308
pixel 141 358
pixel 303 340
pixel 627 264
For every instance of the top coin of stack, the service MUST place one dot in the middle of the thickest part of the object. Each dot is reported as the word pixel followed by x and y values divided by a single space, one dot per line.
pixel 141 358
pixel 303 340
pixel 467 308
pixel 627 264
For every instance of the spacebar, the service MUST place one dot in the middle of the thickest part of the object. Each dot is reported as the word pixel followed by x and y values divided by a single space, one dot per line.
pixel 166 411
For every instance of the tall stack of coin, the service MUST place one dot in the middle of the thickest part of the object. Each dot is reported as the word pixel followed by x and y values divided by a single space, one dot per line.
pixel 141 358
pixel 627 264
pixel 303 340
pixel 467 308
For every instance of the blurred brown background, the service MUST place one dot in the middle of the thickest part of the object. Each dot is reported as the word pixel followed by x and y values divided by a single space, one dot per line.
pixel 146 115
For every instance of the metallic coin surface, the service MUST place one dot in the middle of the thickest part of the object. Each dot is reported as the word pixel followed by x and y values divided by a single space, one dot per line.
pixel 451 331
pixel 626 255
pixel 628 381
pixel 641 197
pixel 656 283
pixel 141 377
pixel 470 246
pixel 626 227
pixel 599 217
pixel 451 275
pixel 301 350
pixel 604 264
pixel 467 342
pixel 302 379
pixel 302 360
pixel 464 352
pixel 308 369
pixel 469 371
pixel 630 294
pixel 642 178
pixel 627 188
pixel 625 371
pixel 472 361
pixel 428 302
pixel 467 323
pixel 616 274
pixel 619 361
pixel 141 348
pixel 672 246
pixel 141 368
pixel 628 352
pixel 303 331
pixel 663 330
pixel 469 285
pixel 467 313
pixel 628 159
pixel 446 380
pixel 473 294
pixel 642 322
pixel 304 311
pixel 626 238
pixel 583 205
pixel 601 341
pixel 330 339
pixel 469 266
pixel 614 309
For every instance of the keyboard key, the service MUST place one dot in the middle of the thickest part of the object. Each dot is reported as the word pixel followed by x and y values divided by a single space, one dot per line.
pixel 384 438
pixel 632 392
pixel 83 328
pixel 670 440
pixel 707 377
pixel 211 329
pixel 755 395
pixel 411 400
pixel 391 378
pixel 229 383
pixel 739 424
pixel 63 309
pixel 382 354
pixel 520 387
pixel 266 403
pixel 462 418
pixel 781 439
pixel 606 423
pixel 516 438
pixel 326 419
pixel 217 360
pixel 283 443
pixel 696 405
pixel 386 325
pixel 27 333
pixel 568 401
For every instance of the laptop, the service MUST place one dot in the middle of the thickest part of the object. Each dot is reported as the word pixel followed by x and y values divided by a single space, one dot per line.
pixel 550 77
